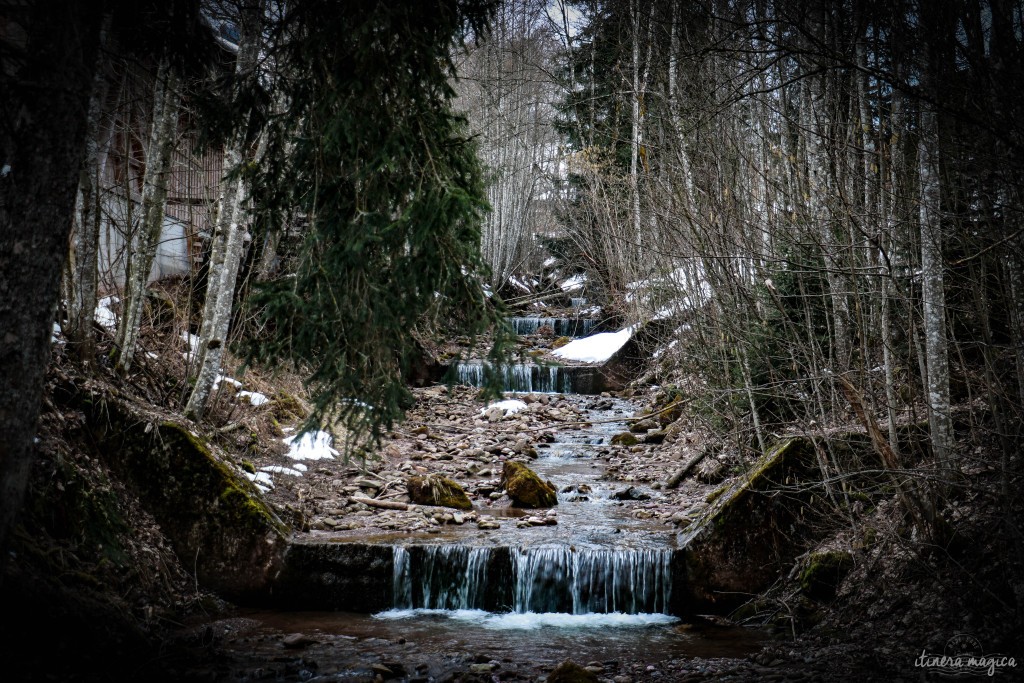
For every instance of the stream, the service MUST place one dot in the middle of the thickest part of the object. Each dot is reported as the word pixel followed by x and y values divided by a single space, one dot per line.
pixel 600 587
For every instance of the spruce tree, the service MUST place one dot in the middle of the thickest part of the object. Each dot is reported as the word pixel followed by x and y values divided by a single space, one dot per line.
pixel 369 152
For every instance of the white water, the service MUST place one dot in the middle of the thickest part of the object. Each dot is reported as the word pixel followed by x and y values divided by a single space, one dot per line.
pixel 533 580
pixel 528 621
pixel 552 379
pixel 561 327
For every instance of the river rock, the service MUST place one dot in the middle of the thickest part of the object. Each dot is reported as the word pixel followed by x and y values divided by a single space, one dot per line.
pixel 437 490
pixel 297 640
pixel 525 488
pixel 624 439
pixel 642 426
pixel 630 493
pixel 571 672
pixel 655 437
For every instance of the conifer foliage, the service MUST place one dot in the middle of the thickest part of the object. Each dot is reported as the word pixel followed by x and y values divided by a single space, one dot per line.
pixel 370 152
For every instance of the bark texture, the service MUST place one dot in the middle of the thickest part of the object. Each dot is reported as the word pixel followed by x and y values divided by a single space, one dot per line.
pixel 228 238
pixel 46 88
pixel 162 140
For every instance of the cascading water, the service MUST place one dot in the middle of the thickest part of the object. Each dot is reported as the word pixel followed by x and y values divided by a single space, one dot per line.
pixel 529 378
pixel 444 577
pixel 562 327
pixel 544 579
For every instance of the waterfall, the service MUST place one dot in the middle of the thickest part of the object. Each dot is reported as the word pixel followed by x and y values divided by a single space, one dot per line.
pixel 527 378
pixel 561 327
pixel 541 580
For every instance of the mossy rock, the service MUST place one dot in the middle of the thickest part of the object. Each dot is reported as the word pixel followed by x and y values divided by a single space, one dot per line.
pixel 824 572
pixel 525 488
pixel 571 672
pixel 560 342
pixel 749 534
pixel 437 490
pixel 643 426
pixel 215 518
pixel 624 439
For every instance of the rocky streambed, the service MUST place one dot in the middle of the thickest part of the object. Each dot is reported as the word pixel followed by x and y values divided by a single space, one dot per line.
pixel 576 441
pixel 492 590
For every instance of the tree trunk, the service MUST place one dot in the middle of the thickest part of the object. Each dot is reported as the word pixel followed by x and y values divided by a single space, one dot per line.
pixel 933 295
pixel 45 105
pixel 162 139
pixel 228 238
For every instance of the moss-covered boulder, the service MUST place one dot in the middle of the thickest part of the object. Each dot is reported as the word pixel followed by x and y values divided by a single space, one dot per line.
pixel 525 488
pixel 571 672
pixel 823 573
pixel 437 490
pixel 624 439
pixel 753 528
pixel 215 518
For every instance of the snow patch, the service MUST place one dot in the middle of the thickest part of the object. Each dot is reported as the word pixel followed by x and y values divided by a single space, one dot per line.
pixel 55 338
pixel 597 348
pixel 574 283
pixel 509 406
pixel 228 380
pixel 262 480
pixel 310 446
pixel 255 397
pixel 103 314
pixel 192 341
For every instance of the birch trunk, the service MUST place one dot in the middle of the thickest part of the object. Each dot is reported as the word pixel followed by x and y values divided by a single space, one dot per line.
pixel 933 295
pixel 228 238
pixel 162 139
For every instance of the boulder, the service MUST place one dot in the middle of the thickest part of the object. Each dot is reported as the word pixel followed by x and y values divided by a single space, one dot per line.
pixel 655 437
pixel 624 439
pixel 643 426
pixel 525 488
pixel 824 572
pixel 208 510
pixel 749 533
pixel 630 493
pixel 437 490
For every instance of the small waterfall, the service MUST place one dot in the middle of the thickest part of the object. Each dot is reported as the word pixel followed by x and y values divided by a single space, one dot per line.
pixel 577 302
pixel 442 577
pixel 545 579
pixel 561 327
pixel 581 581
pixel 524 378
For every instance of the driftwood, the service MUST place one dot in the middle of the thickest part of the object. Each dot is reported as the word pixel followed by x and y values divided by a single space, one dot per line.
pixel 385 504
pixel 683 471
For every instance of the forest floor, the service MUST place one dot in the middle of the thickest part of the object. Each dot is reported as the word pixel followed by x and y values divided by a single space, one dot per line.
pixel 94 590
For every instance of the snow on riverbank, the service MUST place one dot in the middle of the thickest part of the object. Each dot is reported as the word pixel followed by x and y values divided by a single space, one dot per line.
pixel 597 348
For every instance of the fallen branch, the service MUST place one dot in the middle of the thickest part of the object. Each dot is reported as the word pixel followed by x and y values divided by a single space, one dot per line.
pixel 683 471
pixel 385 504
